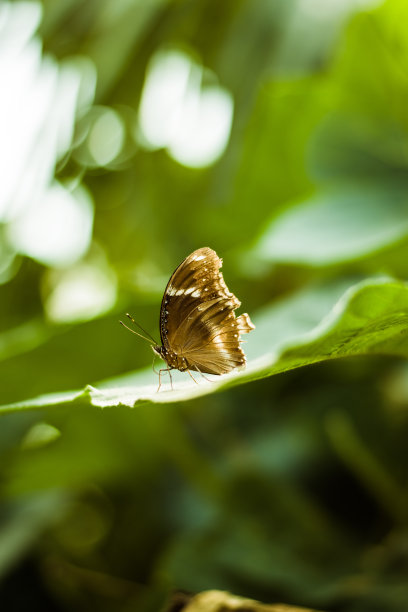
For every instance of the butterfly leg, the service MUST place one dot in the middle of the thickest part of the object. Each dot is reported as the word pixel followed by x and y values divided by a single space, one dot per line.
pixel 192 376
pixel 209 379
pixel 154 369
pixel 171 380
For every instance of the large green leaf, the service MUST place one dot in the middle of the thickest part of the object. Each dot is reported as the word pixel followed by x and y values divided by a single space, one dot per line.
pixel 338 225
pixel 370 317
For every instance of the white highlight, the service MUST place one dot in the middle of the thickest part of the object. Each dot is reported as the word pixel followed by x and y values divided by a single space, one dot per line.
pixel 106 137
pixel 173 291
pixel 81 293
pixel 38 104
pixel 178 113
pixel 57 229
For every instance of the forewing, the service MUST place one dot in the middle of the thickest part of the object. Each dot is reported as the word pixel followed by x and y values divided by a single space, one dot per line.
pixel 184 291
pixel 197 319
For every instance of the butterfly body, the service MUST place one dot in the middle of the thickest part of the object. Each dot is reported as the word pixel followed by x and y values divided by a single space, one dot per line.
pixel 173 360
pixel 198 327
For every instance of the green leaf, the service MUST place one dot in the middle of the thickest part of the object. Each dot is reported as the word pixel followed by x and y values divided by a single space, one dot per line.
pixel 370 317
pixel 213 601
pixel 338 225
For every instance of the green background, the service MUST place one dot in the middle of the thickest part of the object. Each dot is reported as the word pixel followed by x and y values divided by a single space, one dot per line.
pixel 292 486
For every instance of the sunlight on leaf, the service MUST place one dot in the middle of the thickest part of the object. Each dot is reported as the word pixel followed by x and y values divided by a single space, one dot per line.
pixel 217 601
pixel 343 224
pixel 371 317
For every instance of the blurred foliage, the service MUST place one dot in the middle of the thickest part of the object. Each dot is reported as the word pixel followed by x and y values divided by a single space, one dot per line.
pixel 291 488
pixel 219 601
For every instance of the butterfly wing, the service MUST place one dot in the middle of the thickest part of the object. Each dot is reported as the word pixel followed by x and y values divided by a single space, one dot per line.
pixel 197 319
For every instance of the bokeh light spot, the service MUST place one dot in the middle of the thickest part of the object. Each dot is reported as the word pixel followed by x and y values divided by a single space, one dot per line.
pixel 205 129
pixel 39 101
pixel 106 137
pixel 56 231
pixel 40 435
pixel 81 293
pixel 178 113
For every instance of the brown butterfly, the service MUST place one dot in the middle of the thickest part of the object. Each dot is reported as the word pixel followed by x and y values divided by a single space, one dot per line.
pixel 198 327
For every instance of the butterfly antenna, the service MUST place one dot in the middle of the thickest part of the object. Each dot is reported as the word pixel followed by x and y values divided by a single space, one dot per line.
pixel 140 327
pixel 137 334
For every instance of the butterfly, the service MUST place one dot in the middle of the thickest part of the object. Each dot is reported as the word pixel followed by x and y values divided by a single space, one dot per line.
pixel 198 327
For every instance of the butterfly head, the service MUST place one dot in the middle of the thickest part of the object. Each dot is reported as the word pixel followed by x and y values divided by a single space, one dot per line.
pixel 159 350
